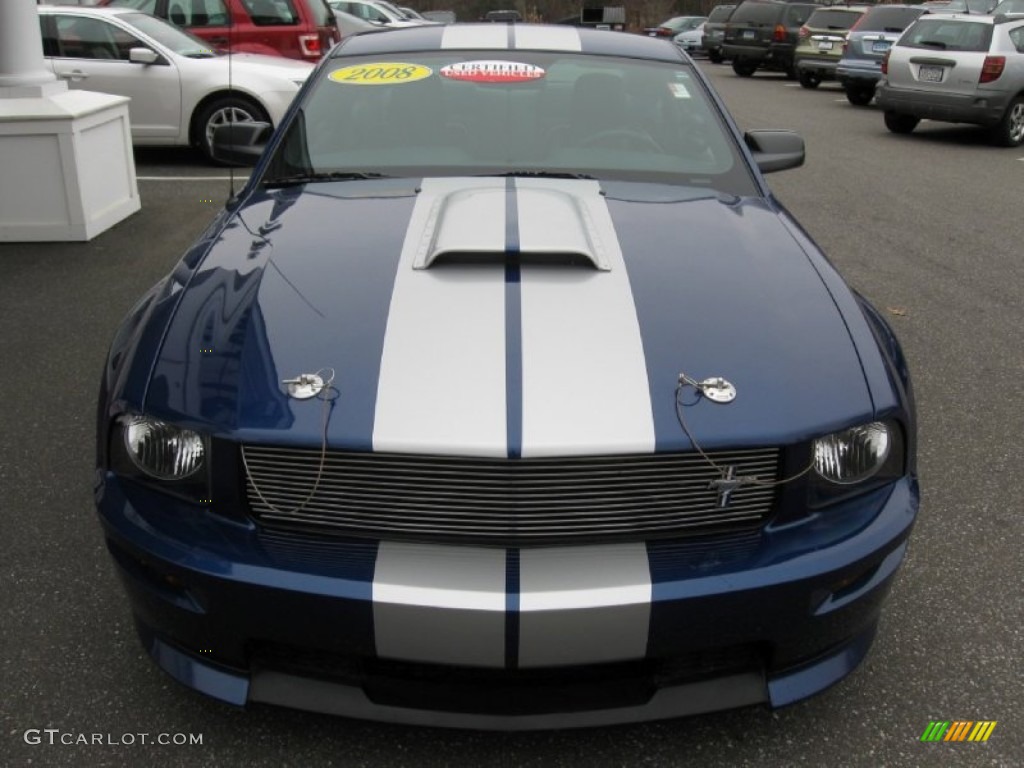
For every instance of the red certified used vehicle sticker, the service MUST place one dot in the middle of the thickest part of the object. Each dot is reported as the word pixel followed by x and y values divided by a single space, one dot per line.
pixel 492 71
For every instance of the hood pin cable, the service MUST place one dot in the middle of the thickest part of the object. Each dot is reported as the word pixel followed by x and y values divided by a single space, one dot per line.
pixel 304 387
pixel 718 390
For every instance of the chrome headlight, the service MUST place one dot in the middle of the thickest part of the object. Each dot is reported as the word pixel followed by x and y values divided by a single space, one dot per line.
pixel 853 455
pixel 161 450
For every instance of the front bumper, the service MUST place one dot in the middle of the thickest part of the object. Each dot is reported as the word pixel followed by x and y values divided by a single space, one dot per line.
pixel 571 636
pixel 979 109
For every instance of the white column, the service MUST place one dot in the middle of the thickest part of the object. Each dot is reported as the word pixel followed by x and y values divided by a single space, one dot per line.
pixel 22 70
pixel 66 166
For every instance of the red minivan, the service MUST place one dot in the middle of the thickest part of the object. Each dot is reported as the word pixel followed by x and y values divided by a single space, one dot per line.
pixel 298 29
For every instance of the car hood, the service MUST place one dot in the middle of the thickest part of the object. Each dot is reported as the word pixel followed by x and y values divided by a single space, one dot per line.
pixel 503 317
pixel 256 65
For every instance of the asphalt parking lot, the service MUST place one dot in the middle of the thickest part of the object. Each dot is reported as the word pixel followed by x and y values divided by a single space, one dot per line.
pixel 928 226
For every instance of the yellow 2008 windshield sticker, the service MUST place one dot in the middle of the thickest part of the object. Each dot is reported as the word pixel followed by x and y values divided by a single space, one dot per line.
pixel 381 73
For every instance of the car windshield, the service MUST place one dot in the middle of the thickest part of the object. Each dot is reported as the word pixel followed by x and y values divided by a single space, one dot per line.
pixel 457 114
pixel 947 34
pixel 833 18
pixel 888 18
pixel 720 13
pixel 169 36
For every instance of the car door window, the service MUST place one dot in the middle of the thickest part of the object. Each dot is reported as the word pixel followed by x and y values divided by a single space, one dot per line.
pixel 265 13
pixel 197 13
pixel 83 38
pixel 1017 38
pixel 146 6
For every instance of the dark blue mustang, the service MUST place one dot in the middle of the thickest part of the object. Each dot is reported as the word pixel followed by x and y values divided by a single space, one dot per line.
pixel 505 395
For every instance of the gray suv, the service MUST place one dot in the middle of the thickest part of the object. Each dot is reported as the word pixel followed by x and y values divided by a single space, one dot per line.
pixel 764 33
pixel 860 68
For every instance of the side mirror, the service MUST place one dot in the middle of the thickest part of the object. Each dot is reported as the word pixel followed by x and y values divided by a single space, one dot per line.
pixel 775 150
pixel 240 143
pixel 143 56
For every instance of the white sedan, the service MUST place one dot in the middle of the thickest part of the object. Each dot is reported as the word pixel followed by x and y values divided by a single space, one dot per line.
pixel 690 39
pixel 180 89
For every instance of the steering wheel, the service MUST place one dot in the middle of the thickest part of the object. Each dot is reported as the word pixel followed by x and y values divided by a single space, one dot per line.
pixel 623 138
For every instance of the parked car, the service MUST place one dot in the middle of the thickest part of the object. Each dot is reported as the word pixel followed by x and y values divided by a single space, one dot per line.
pixel 1009 8
pixel 180 89
pixel 764 33
pixel 296 29
pixel 822 40
pixel 502 16
pixel 516 456
pixel 958 69
pixel 860 67
pixel 673 26
pixel 690 40
pixel 714 32
pixel 376 12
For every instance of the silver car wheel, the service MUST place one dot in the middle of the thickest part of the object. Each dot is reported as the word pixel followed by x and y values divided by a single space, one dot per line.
pixel 1015 122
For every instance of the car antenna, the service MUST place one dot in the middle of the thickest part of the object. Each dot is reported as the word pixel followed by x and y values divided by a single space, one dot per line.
pixel 231 88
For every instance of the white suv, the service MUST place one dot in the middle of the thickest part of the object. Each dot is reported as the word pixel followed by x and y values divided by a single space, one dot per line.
pixel 957 69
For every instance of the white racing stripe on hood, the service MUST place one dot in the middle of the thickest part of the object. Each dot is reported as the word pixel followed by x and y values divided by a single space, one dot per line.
pixel 442 373
pixel 458 36
pixel 585 388
pixel 547 39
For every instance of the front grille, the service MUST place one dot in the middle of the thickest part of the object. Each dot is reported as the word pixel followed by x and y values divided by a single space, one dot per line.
pixel 507 691
pixel 505 501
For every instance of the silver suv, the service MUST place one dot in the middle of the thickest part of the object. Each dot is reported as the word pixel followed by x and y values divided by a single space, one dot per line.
pixel 957 69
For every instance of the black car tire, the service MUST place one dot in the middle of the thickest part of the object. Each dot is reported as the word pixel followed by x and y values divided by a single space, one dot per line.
pixel 860 95
pixel 223 110
pixel 1010 130
pixel 898 123
pixel 809 79
pixel 744 67
pixel 714 56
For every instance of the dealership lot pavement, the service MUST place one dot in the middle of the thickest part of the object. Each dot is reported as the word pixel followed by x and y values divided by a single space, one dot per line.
pixel 928 226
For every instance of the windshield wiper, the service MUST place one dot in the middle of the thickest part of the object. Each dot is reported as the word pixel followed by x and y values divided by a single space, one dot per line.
pixel 540 175
pixel 934 44
pixel 313 178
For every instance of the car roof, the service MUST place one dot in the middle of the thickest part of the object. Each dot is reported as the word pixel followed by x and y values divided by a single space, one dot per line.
pixel 519 37
pixel 89 10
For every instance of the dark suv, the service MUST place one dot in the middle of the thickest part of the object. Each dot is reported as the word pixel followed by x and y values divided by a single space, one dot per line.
pixel 714 31
pixel 298 29
pixel 764 33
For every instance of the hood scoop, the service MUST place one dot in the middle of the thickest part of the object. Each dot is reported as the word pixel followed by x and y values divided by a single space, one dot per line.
pixel 551 226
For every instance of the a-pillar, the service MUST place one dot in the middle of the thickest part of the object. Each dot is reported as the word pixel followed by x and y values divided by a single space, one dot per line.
pixel 66 165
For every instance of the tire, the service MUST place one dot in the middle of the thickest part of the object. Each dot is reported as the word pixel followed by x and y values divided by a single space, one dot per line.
pixel 791 71
pixel 1010 130
pixel 744 67
pixel 809 79
pixel 221 111
pixel 898 123
pixel 714 56
pixel 860 95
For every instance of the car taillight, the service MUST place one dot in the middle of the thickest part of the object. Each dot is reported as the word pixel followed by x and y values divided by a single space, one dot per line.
pixel 664 31
pixel 885 63
pixel 846 46
pixel 804 32
pixel 779 35
pixel 310 45
pixel 992 68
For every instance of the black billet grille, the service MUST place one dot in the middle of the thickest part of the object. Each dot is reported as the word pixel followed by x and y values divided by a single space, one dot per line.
pixel 505 501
